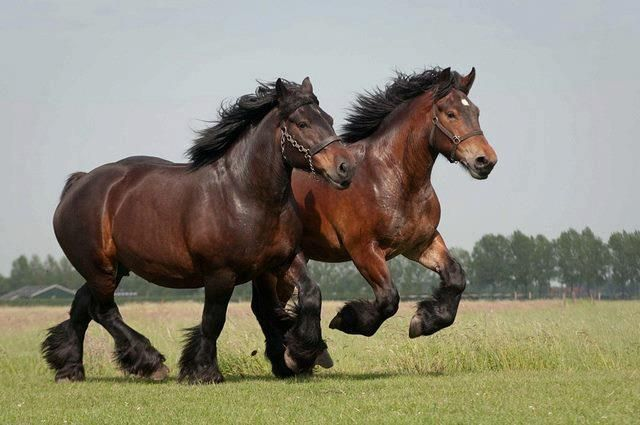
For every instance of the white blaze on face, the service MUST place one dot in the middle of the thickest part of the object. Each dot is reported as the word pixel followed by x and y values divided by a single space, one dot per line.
pixel 465 102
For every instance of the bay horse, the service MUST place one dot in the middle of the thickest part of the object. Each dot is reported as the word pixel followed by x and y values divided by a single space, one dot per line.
pixel 391 208
pixel 225 218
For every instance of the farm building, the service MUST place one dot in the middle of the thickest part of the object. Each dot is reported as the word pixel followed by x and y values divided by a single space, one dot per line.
pixel 38 292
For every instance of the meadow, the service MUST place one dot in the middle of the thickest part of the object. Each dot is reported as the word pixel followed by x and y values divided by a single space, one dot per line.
pixel 501 362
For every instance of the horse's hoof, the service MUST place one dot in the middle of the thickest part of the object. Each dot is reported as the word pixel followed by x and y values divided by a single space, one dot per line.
pixel 348 320
pixel 209 379
pixel 160 374
pixel 67 379
pixel 75 374
pixel 205 375
pixel 324 360
pixel 291 364
pixel 336 322
pixel 415 327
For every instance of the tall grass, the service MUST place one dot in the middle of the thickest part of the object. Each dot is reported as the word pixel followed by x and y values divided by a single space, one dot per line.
pixel 498 336
pixel 501 362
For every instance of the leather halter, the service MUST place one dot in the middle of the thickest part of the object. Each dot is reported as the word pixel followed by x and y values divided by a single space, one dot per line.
pixel 307 152
pixel 455 140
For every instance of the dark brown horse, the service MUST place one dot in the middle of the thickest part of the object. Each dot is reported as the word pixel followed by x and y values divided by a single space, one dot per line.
pixel 224 219
pixel 391 208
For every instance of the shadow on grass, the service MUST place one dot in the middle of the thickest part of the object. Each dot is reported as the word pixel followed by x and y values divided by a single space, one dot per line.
pixel 300 379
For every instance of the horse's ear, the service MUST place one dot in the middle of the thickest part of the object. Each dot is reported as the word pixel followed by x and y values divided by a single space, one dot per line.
pixel 445 76
pixel 281 89
pixel 306 86
pixel 467 82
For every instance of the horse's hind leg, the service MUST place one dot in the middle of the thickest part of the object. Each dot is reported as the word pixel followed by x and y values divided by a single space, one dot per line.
pixel 439 310
pixel 133 351
pixel 274 322
pixel 62 349
pixel 199 360
pixel 305 346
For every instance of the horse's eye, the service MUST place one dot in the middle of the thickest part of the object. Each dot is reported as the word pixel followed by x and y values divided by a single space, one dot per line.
pixel 303 124
pixel 451 115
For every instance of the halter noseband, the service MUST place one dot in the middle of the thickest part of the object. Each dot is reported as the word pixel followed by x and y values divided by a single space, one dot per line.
pixel 456 140
pixel 307 152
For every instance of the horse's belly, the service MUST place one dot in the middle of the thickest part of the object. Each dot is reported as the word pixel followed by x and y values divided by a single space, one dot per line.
pixel 322 249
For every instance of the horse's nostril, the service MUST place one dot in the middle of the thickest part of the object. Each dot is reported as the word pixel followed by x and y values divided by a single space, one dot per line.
pixel 343 169
pixel 482 161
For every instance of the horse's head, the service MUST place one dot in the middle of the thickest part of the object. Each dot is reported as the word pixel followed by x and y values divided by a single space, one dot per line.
pixel 455 129
pixel 308 139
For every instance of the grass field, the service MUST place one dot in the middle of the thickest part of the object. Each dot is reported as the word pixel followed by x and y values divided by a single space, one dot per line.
pixel 501 362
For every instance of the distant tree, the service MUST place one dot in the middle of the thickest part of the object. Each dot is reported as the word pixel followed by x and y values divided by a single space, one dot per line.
pixel 491 259
pixel 68 276
pixel 4 285
pixel 338 280
pixel 567 247
pixel 21 274
pixel 522 260
pixel 544 264
pixel 411 278
pixel 625 263
pixel 595 260
pixel 52 271
pixel 583 259
pixel 38 271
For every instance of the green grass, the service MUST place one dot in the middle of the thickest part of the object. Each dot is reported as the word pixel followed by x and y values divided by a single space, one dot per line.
pixel 502 362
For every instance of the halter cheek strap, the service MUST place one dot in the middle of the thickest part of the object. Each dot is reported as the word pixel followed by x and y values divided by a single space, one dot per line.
pixel 308 153
pixel 455 140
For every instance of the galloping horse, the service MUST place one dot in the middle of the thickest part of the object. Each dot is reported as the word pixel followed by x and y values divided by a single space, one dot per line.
pixel 223 219
pixel 391 208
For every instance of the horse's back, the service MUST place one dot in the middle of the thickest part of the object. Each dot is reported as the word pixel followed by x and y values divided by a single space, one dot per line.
pixel 83 219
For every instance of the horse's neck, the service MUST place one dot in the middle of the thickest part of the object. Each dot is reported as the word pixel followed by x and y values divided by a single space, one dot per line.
pixel 255 162
pixel 402 143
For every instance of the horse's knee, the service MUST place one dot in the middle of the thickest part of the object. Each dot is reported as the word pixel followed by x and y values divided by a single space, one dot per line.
pixel 80 308
pixel 389 304
pixel 456 277
pixel 104 313
pixel 309 295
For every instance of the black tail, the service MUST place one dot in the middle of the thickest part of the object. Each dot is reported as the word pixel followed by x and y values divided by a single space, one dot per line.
pixel 70 181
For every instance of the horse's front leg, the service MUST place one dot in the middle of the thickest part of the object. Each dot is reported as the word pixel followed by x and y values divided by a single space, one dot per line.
pixel 439 310
pixel 199 360
pixel 364 317
pixel 305 346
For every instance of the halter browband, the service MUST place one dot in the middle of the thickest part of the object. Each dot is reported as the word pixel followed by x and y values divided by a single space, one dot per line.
pixel 456 140
pixel 290 108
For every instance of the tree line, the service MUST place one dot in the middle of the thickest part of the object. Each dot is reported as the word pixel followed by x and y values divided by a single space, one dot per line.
pixel 575 264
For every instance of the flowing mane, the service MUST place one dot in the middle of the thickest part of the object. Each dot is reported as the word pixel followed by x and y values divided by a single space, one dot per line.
pixel 236 117
pixel 370 109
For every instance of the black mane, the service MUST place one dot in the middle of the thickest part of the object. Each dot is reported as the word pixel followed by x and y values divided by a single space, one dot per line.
pixel 235 118
pixel 370 109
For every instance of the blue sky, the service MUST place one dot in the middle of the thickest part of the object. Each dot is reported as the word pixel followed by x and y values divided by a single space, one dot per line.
pixel 85 83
